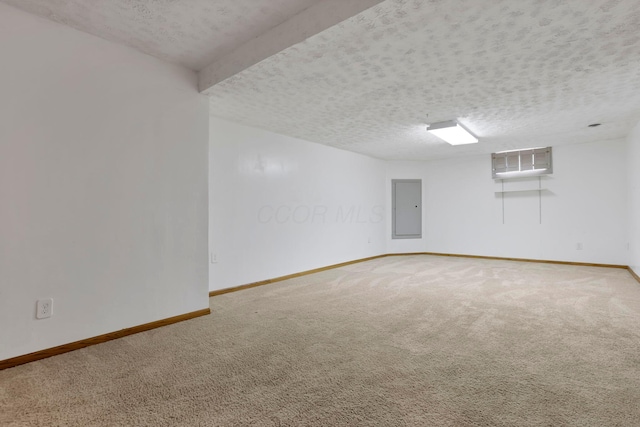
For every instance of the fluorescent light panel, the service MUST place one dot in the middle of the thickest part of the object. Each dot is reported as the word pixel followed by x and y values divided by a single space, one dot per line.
pixel 451 132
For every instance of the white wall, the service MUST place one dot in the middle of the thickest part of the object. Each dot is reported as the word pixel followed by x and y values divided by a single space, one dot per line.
pixel 633 162
pixel 586 203
pixel 281 205
pixel 103 186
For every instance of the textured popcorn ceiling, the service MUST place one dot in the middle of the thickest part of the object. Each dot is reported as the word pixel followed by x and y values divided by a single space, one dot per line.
pixel 188 32
pixel 517 73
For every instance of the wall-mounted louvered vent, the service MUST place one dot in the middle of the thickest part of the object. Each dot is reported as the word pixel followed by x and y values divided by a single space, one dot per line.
pixel 529 162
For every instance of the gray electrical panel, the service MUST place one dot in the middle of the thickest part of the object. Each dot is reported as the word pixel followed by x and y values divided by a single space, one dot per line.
pixel 407 208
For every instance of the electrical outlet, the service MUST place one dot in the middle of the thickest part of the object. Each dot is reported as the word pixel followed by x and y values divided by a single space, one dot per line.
pixel 579 246
pixel 214 258
pixel 44 308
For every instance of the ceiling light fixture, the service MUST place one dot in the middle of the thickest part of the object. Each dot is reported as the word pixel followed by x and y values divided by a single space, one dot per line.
pixel 452 132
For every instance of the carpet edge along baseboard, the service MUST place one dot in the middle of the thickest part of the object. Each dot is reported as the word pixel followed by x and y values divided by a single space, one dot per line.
pixel 634 274
pixel 542 261
pixel 329 267
pixel 65 348
pixel 290 276
pixel 42 354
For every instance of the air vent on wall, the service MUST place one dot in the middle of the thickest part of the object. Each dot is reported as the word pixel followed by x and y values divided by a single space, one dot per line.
pixel 520 163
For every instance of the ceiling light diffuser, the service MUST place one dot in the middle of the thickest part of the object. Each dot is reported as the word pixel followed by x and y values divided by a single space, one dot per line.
pixel 452 132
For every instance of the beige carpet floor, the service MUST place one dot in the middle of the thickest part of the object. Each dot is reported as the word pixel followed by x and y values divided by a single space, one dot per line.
pixel 397 341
